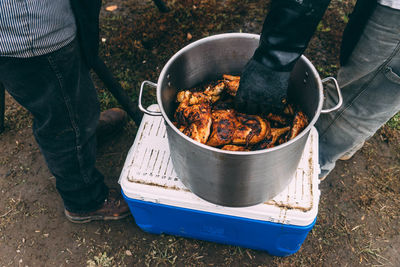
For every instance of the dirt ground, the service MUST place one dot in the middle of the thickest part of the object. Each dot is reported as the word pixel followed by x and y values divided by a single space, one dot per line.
pixel 358 221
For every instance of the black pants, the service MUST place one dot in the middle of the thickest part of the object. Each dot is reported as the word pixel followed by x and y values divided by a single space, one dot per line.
pixel 57 89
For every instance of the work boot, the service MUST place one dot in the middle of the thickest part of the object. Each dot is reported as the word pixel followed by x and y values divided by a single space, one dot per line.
pixel 113 208
pixel 323 177
pixel 111 122
pixel 351 153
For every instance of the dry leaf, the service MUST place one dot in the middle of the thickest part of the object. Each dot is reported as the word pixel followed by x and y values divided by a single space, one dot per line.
pixel 189 36
pixel 128 252
pixel 112 8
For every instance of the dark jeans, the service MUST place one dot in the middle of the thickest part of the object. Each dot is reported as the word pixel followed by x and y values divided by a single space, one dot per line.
pixel 57 89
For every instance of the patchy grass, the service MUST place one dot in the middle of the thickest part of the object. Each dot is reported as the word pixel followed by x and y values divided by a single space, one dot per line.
pixel 101 260
pixel 394 122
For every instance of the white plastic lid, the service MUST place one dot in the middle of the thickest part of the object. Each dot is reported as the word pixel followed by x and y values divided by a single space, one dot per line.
pixel 148 175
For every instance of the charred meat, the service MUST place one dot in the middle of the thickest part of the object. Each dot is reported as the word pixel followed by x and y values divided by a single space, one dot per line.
pixel 208 117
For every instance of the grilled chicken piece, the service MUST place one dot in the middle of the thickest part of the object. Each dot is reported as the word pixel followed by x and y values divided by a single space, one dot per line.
pixel 187 98
pixel 232 84
pixel 195 121
pixel 234 148
pixel 215 91
pixel 194 111
pixel 276 133
pixel 182 128
pixel 230 127
pixel 224 124
pixel 277 118
pixel 288 110
pixel 199 112
pixel 259 128
pixel 300 122
pixel 194 115
pixel 231 77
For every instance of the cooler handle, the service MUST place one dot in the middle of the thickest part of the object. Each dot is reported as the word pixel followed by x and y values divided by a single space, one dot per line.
pixel 339 93
pixel 148 112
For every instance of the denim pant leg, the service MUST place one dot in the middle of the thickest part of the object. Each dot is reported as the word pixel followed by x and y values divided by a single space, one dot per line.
pixel 370 85
pixel 57 89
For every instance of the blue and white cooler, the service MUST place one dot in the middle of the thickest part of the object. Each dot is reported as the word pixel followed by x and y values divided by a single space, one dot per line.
pixel 160 203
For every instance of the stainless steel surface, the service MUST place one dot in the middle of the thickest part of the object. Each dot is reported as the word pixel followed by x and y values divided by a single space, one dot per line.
pixel 148 112
pixel 339 93
pixel 232 178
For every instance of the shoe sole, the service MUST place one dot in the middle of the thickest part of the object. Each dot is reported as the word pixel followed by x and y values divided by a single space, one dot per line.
pixel 350 155
pixel 87 219
pixel 344 158
pixel 323 178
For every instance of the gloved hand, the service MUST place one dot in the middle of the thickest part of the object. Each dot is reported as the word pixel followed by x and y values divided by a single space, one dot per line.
pixel 261 89
pixel 286 32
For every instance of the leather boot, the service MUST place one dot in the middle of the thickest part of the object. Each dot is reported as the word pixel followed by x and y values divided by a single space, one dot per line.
pixel 114 208
pixel 110 123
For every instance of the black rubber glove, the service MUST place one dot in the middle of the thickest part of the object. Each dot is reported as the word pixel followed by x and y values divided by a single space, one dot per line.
pixel 286 32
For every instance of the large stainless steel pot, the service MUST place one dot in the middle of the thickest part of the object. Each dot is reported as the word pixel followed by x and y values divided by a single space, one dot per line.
pixel 230 178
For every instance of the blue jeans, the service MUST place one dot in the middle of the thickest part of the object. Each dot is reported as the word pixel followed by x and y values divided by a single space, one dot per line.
pixel 370 84
pixel 57 89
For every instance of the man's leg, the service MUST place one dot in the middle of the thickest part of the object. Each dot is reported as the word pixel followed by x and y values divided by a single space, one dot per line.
pixel 370 85
pixel 58 91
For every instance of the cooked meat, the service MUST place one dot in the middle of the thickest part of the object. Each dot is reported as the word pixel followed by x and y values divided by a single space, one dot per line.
pixel 288 110
pixel 275 137
pixel 187 98
pixel 266 143
pixel 232 84
pixel 231 77
pixel 224 124
pixel 196 121
pixel 259 128
pixel 276 133
pixel 215 91
pixel 226 104
pixel 230 127
pixel 300 122
pixel 194 115
pixel 234 148
pixel 209 118
pixel 277 118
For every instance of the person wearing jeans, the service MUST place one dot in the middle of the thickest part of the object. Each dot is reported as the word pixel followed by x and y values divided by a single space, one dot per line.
pixel 368 76
pixel 370 84
pixel 43 68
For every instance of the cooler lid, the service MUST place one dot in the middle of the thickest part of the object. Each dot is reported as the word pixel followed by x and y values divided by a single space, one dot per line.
pixel 148 175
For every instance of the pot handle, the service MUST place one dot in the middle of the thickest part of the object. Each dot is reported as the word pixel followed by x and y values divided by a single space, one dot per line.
pixel 148 112
pixel 339 93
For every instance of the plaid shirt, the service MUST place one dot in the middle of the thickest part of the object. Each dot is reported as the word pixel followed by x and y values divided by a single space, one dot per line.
pixel 31 28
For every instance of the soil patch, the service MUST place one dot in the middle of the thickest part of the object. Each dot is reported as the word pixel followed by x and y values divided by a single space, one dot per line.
pixel 358 221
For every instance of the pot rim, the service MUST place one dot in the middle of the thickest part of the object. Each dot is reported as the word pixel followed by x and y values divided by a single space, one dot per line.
pixel 188 47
